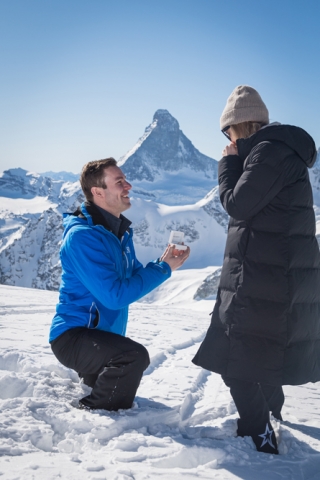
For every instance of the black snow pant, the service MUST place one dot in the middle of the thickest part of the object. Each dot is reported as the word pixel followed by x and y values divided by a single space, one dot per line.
pixel 254 403
pixel 109 363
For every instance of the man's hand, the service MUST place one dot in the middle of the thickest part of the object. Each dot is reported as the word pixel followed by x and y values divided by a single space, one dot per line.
pixel 175 258
pixel 230 150
pixel 177 251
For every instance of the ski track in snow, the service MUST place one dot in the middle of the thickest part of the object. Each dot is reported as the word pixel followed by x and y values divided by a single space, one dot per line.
pixel 182 424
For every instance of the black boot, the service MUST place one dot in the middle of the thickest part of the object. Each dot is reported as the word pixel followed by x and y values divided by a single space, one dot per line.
pixel 266 441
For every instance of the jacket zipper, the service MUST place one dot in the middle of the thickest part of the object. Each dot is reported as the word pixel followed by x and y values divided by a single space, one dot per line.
pixel 90 318
pixel 126 259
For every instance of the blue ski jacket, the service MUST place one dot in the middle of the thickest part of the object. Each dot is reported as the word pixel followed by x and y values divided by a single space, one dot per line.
pixel 101 276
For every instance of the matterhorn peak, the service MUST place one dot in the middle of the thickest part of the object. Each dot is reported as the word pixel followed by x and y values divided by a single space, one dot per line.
pixel 165 120
pixel 162 153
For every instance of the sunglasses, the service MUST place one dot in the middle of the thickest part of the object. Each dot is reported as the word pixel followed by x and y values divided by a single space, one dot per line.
pixel 224 131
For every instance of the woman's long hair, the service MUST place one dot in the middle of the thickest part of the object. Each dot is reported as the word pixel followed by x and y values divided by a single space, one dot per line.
pixel 246 129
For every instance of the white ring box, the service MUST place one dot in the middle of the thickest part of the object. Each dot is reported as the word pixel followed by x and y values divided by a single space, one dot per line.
pixel 176 238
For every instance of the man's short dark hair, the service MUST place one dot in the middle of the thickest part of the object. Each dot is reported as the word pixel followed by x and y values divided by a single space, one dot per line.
pixel 92 175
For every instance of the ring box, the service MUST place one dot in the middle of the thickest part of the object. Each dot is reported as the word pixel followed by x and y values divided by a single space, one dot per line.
pixel 176 238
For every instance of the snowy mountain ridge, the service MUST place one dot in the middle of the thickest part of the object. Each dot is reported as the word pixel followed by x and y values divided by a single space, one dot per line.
pixel 31 227
pixel 32 205
pixel 177 198
pixel 18 183
pixel 61 176
pixel 31 232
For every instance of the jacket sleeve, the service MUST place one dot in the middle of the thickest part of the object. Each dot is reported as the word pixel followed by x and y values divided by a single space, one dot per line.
pixel 244 192
pixel 97 270
pixel 136 266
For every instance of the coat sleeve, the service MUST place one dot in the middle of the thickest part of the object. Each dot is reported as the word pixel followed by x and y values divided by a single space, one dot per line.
pixel 97 270
pixel 246 191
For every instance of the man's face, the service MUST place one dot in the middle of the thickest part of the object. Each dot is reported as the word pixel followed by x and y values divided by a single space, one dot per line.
pixel 115 198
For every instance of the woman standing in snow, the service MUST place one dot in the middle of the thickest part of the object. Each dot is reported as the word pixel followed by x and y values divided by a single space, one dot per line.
pixel 265 327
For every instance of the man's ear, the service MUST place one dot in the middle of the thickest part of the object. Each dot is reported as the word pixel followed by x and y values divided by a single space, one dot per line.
pixel 96 192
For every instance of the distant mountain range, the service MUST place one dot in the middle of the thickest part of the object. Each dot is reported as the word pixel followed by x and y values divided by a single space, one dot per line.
pixel 64 176
pixel 174 188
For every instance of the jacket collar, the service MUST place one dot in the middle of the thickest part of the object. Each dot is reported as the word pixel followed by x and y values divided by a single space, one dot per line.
pixel 94 216
pixel 294 137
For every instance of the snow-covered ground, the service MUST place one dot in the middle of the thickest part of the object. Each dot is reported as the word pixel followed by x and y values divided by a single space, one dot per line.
pixel 182 424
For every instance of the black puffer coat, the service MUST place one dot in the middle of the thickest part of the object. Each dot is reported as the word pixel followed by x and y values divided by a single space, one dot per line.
pixel 265 325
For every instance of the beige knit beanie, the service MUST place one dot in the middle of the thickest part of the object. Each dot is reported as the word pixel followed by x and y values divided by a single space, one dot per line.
pixel 244 105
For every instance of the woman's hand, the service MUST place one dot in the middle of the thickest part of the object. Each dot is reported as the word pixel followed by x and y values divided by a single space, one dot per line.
pixel 231 149
pixel 175 261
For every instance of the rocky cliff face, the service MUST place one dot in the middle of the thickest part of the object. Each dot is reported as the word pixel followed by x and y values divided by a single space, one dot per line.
pixel 209 286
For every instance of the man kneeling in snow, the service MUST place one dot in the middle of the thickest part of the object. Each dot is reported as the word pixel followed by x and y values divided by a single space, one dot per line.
pixel 101 277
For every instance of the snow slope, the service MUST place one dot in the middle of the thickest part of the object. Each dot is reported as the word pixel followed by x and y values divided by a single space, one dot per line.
pixel 182 424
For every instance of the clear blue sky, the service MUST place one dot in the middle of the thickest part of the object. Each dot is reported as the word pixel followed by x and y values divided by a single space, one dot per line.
pixel 81 79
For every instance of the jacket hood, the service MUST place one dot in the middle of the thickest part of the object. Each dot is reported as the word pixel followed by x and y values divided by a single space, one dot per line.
pixel 79 217
pixel 294 137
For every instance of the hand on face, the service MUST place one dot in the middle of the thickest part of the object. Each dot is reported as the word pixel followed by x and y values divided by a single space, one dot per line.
pixel 175 258
pixel 230 149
